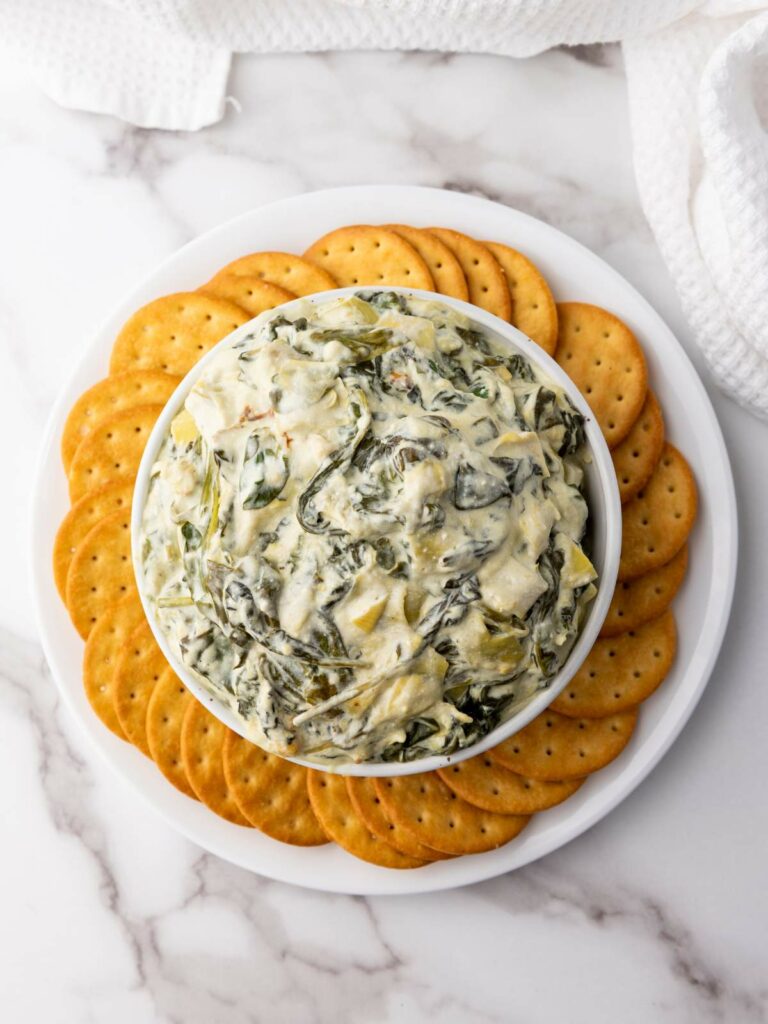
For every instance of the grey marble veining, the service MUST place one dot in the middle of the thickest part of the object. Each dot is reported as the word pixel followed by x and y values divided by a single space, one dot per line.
pixel 660 913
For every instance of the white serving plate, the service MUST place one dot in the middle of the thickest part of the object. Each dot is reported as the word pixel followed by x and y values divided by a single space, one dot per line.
pixel 605 522
pixel 701 608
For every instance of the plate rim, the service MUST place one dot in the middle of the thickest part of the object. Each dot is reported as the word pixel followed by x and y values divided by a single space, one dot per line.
pixel 481 867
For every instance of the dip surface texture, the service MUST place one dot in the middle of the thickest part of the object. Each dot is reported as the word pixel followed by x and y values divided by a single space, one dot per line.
pixel 364 530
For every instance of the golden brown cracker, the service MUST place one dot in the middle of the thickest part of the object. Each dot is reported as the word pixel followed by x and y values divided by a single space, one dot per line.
pixel 438 818
pixel 103 647
pixel 443 266
pixel 173 332
pixel 367 255
pixel 284 269
pixel 112 450
pixel 81 518
pixel 165 716
pixel 621 671
pixel 100 572
pixel 604 360
pixel 139 668
pixel 370 810
pixel 485 784
pixel 647 597
pixel 487 284
pixel 202 754
pixel 638 454
pixel 656 523
pixel 109 396
pixel 248 291
pixel 534 311
pixel 554 747
pixel 333 806
pixel 271 793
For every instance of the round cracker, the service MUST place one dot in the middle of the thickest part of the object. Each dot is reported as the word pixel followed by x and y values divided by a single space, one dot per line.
pixel 367 255
pixel 443 266
pixel 638 454
pixel 81 518
pixel 113 449
pixel 437 817
pixel 271 793
pixel 604 360
pixel 370 810
pixel 202 753
pixel 103 647
pixel 165 716
pixel 283 269
pixel 173 332
pixel 656 523
pixel 486 281
pixel 485 784
pixel 111 395
pixel 555 747
pixel 100 572
pixel 621 671
pixel 333 806
pixel 140 666
pixel 636 602
pixel 534 311
pixel 248 291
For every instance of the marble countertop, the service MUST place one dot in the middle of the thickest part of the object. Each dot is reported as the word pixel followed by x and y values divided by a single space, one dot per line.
pixel 659 913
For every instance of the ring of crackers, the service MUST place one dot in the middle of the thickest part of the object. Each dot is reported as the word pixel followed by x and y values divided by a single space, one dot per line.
pixel 408 821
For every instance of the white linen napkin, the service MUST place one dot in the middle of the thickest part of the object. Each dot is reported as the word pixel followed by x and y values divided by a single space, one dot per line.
pixel 698 89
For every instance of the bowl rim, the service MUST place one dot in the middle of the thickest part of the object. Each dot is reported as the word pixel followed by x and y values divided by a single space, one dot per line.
pixel 603 475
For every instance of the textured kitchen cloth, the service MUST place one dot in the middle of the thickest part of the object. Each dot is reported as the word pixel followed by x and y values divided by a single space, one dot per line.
pixel 698 90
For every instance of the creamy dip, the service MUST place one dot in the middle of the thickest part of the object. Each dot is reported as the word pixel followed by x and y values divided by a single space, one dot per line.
pixel 364 530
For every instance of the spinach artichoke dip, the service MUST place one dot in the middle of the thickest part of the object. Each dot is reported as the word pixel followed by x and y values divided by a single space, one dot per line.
pixel 364 530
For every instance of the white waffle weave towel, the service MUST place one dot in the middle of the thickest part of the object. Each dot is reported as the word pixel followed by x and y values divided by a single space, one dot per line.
pixel 698 90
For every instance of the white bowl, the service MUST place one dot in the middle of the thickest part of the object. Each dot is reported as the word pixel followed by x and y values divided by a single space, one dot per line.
pixel 604 526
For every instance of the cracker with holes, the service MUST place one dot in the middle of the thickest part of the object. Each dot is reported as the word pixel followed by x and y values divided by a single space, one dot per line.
pixel 333 807
pixel 487 283
pixel 112 450
pixel 109 396
pixel 621 671
pixel 533 306
pixel 248 291
pixel 656 524
pixel 138 670
pixel 271 793
pixel 437 817
pixel 103 648
pixel 100 572
pixel 173 332
pixel 367 255
pixel 370 810
pixel 443 266
pixel 165 714
pixel 202 754
pixel 554 747
pixel 485 784
pixel 604 360
pixel 638 454
pixel 292 273
pixel 636 602
pixel 81 518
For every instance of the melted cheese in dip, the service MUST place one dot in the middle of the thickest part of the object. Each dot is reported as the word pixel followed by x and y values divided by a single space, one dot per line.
pixel 364 530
